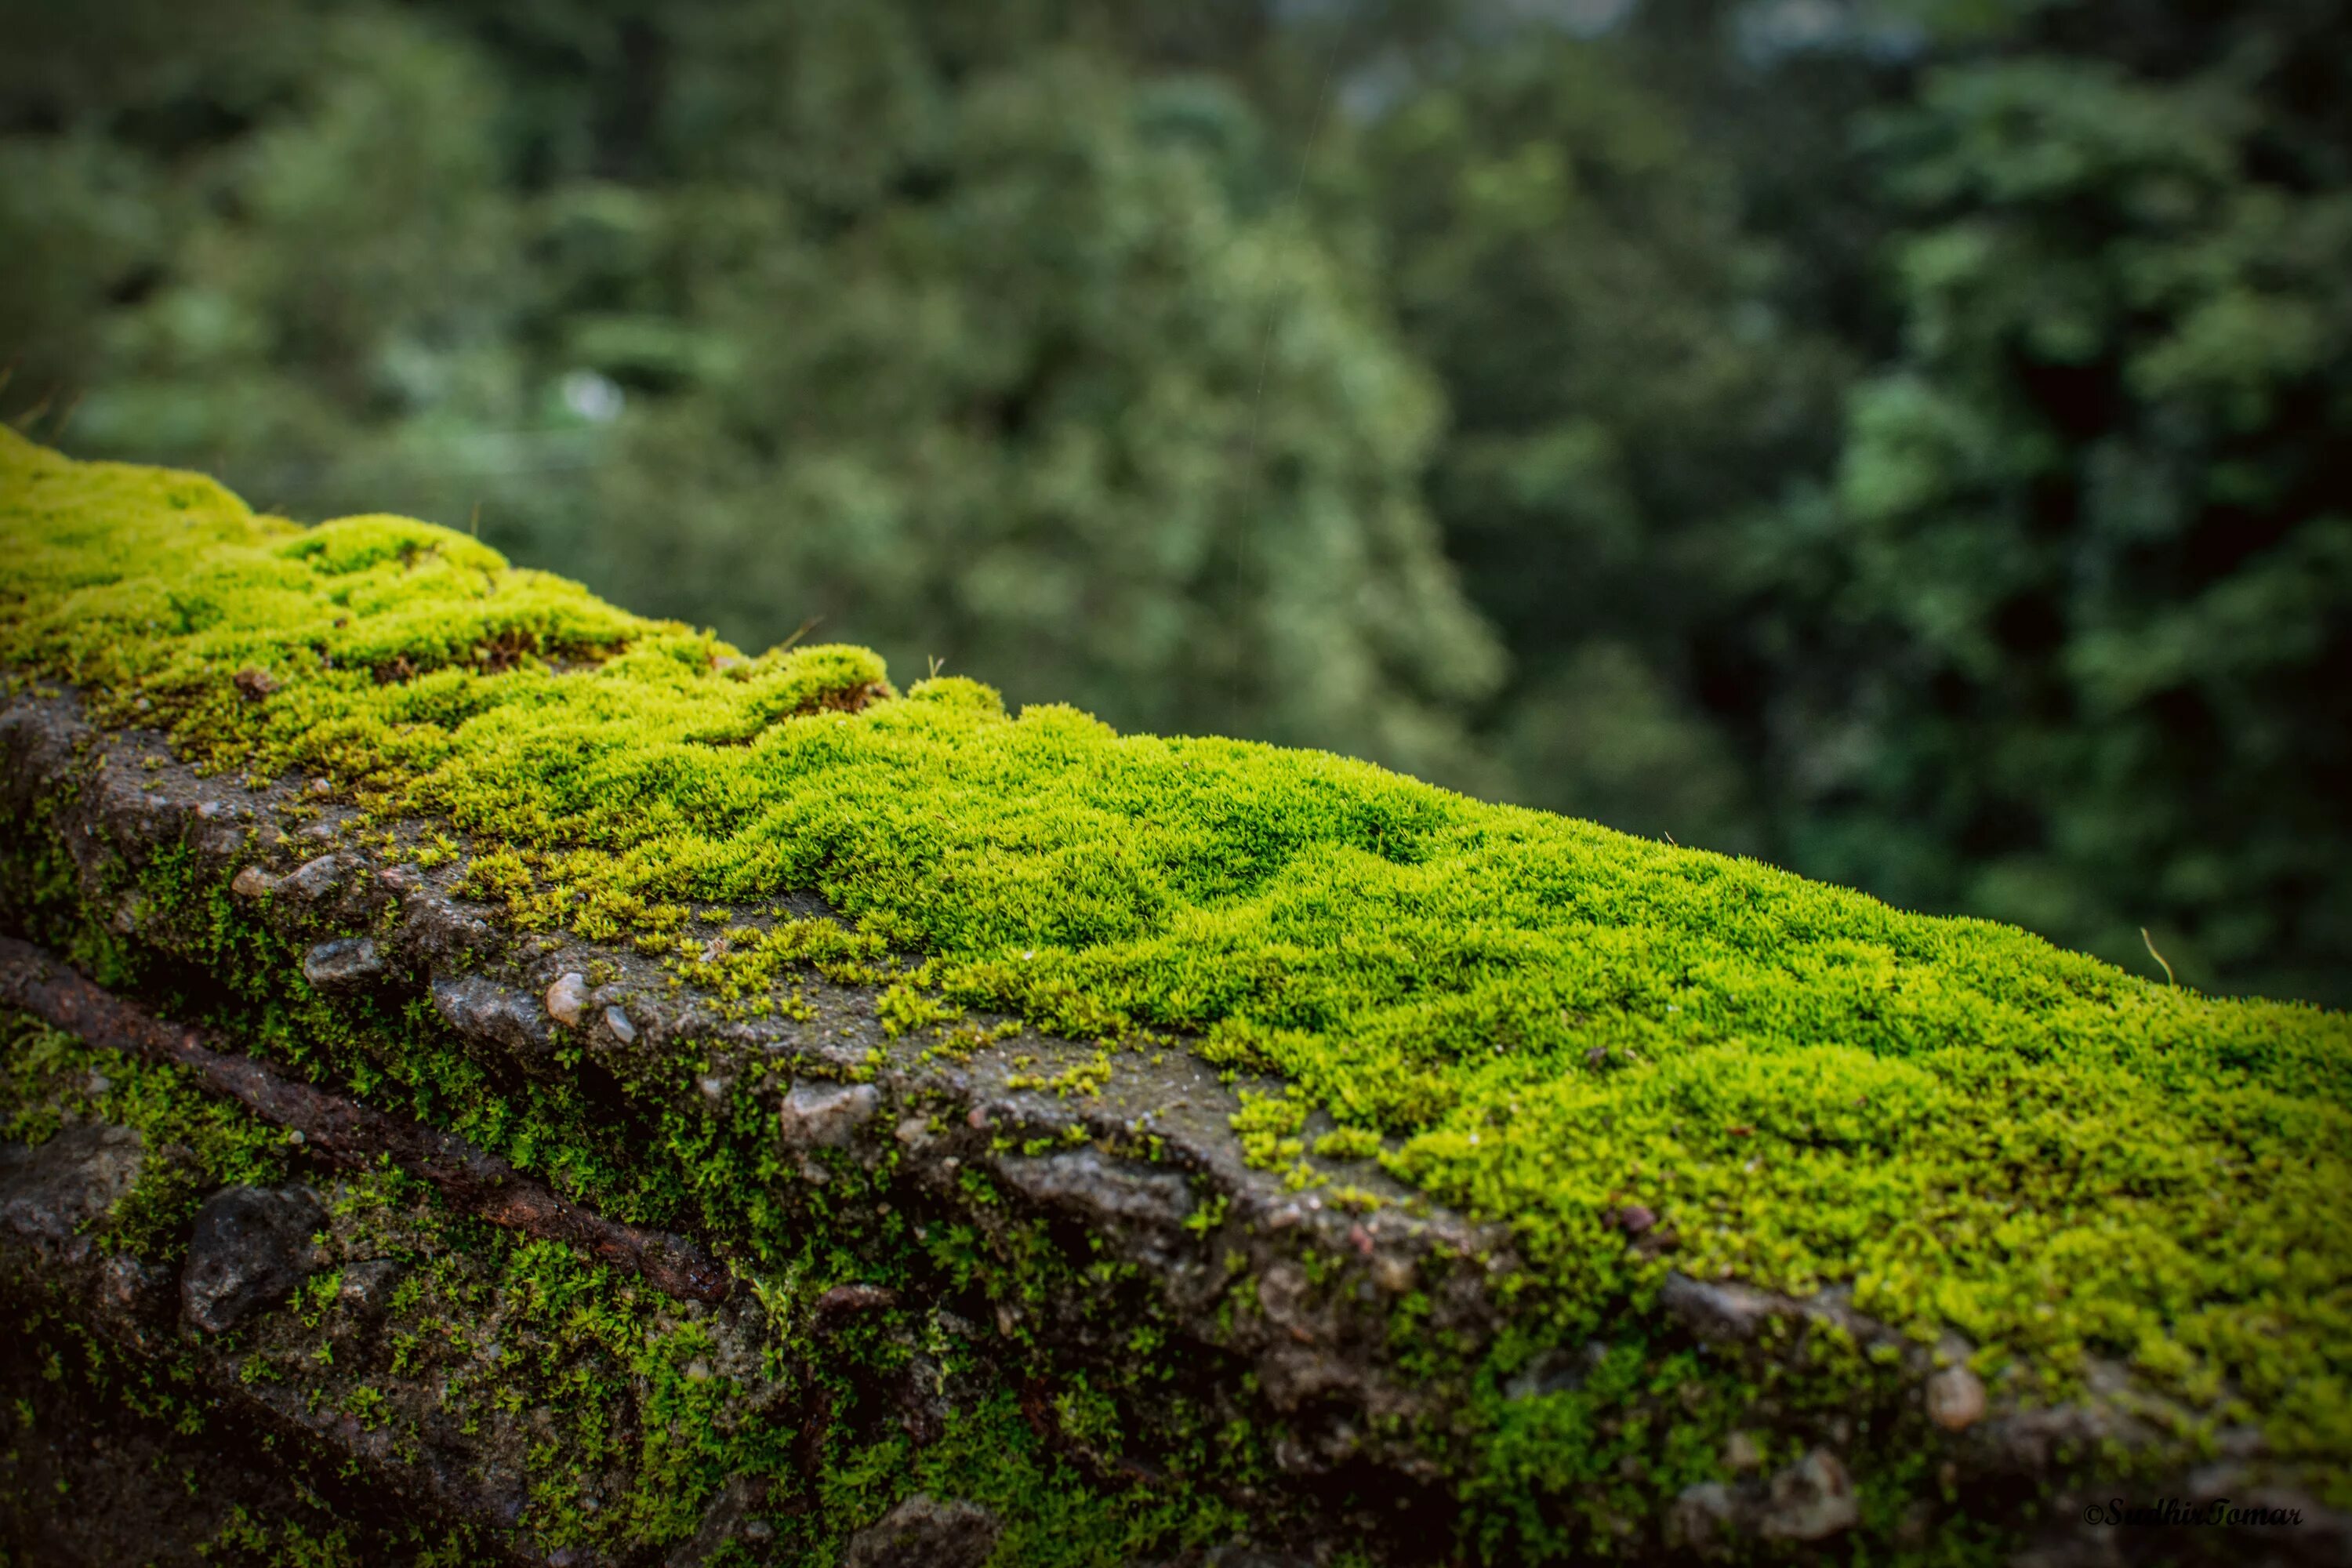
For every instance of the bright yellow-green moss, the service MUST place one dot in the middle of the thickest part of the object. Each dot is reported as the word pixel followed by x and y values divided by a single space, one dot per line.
pixel 1978 1130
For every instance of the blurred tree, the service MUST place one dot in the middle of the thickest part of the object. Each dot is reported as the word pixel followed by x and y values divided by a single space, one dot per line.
pixel 2087 575
pixel 1953 507
pixel 1627 382
pixel 958 342
pixel 282 254
pixel 1039 400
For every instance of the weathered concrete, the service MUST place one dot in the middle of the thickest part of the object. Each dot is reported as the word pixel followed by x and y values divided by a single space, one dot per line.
pixel 1280 1304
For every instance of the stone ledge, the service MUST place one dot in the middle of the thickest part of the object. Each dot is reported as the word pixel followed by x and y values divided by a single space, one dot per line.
pixel 1149 1171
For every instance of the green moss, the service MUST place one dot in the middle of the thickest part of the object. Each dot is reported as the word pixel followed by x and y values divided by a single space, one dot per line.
pixel 1349 1143
pixel 196 1142
pixel 1548 1019
pixel 505 1325
pixel 286 1544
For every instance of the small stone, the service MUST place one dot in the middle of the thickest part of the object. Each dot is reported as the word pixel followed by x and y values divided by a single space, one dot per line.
pixel 697 1371
pixel 1391 1273
pixel 480 1009
pixel 313 878
pixel 923 1532
pixel 566 997
pixel 1102 1191
pixel 1244 1552
pixel 1701 1519
pixel 252 883
pixel 1956 1399
pixel 618 1022
pixel 343 963
pixel 913 1132
pixel 1741 1451
pixel 1810 1501
pixel 250 1247
pixel 54 1191
pixel 1292 1456
pixel 322 787
pixel 254 682
pixel 1634 1218
pixel 1720 1311
pixel 711 1088
pixel 827 1115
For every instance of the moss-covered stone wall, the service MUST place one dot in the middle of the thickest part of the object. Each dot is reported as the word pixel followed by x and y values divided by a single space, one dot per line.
pixel 1316 1158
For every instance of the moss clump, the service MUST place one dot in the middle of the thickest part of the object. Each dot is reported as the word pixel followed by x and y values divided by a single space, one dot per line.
pixel 1548 1021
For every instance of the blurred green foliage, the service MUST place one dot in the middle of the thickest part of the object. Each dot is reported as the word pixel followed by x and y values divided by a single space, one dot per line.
pixel 1903 438
pixel 2093 518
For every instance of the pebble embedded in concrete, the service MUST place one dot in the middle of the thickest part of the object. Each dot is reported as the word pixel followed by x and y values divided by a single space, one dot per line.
pixel 343 962
pixel 1956 1399
pixel 566 997
pixel 250 1247
pixel 924 1533
pixel 826 1115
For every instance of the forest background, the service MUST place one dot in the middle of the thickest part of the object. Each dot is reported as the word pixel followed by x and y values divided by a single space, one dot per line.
pixel 1906 440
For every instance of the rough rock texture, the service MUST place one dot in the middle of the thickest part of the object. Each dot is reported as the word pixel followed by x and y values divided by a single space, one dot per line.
pixel 51 1194
pixel 250 1247
pixel 923 1532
